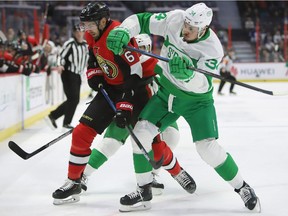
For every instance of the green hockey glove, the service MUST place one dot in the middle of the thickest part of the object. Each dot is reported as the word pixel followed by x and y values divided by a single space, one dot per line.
pixel 117 38
pixel 179 68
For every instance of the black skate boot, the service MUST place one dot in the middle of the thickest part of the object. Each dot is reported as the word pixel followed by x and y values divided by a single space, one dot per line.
pixel 249 197
pixel 138 200
pixel 68 193
pixel 84 181
pixel 186 181
pixel 157 188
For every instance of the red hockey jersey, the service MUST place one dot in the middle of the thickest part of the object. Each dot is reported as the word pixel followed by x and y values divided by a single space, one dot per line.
pixel 116 69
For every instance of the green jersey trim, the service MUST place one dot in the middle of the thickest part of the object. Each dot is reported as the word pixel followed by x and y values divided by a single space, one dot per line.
pixel 144 21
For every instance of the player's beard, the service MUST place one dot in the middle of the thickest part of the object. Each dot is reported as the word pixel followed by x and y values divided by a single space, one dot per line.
pixel 95 36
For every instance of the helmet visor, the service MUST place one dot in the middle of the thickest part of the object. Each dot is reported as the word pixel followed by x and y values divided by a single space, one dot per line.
pixel 86 26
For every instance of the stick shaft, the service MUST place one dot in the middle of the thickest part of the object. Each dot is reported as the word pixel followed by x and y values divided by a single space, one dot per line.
pixel 207 73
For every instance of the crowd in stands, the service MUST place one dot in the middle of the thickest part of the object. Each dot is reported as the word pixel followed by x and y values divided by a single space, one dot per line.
pixel 269 16
pixel 21 53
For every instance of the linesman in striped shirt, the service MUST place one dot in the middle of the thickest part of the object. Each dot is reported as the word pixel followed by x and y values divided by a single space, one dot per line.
pixel 72 62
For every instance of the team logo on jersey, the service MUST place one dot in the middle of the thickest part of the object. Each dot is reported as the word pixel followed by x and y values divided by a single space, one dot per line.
pixel 160 16
pixel 107 66
pixel 192 13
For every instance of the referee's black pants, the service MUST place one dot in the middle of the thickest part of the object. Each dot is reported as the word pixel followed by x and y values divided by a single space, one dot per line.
pixel 228 76
pixel 71 85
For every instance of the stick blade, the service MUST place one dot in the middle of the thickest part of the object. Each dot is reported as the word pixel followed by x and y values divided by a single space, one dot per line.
pixel 279 93
pixel 157 164
pixel 19 151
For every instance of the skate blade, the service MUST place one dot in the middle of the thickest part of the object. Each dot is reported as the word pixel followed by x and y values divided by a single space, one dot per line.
pixel 157 191
pixel 257 208
pixel 141 206
pixel 70 199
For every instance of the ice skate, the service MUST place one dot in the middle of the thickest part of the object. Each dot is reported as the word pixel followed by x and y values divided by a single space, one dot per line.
pixel 84 181
pixel 249 197
pixel 186 181
pixel 138 200
pixel 68 193
pixel 157 188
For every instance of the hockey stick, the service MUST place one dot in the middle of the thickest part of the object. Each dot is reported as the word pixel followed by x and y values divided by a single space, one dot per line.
pixel 155 164
pixel 44 21
pixel 274 93
pixel 20 152
pixel 41 53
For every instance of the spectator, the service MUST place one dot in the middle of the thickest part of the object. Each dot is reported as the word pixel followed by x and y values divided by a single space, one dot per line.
pixel 25 45
pixel 11 37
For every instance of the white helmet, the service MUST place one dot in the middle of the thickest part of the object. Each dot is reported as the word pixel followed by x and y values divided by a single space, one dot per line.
pixel 199 15
pixel 144 40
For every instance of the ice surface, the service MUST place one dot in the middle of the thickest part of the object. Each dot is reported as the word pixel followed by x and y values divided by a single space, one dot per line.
pixel 253 129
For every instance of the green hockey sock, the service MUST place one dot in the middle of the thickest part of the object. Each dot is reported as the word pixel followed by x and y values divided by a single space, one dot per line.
pixel 96 159
pixel 141 164
pixel 228 169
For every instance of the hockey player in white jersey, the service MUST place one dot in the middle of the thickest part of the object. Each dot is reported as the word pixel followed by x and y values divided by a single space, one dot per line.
pixel 188 41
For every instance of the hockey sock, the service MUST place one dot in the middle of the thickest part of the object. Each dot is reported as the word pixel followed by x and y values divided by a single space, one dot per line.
pixel 82 138
pixel 228 169
pixel 170 161
pixel 97 159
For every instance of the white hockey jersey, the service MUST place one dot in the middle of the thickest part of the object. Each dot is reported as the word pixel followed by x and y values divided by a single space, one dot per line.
pixel 205 53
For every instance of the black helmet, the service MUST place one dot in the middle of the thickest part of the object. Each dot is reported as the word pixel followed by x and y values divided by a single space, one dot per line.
pixel 94 11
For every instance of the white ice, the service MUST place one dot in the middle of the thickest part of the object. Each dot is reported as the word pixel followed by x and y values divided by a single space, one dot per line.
pixel 253 129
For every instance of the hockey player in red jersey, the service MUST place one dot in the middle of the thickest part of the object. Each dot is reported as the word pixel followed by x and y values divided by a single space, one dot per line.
pixel 126 82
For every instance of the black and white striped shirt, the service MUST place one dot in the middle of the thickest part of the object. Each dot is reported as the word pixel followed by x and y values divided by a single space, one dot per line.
pixel 74 56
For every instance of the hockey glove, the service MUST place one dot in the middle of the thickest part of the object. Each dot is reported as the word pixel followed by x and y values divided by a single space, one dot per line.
pixel 117 38
pixel 123 113
pixel 179 68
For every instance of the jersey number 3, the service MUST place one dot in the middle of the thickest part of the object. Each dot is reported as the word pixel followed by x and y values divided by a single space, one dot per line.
pixel 212 64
